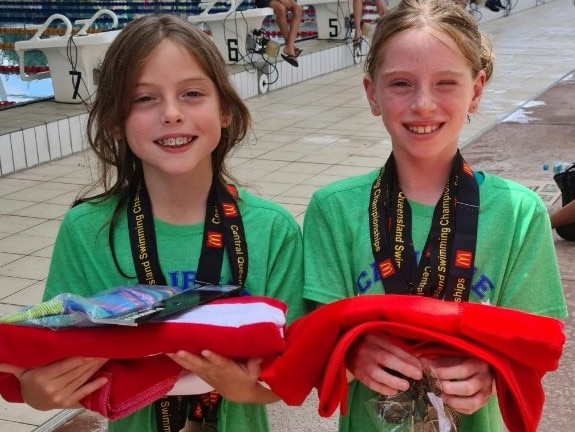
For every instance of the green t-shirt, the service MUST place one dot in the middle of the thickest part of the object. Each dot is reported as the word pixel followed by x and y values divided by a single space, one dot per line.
pixel 515 263
pixel 82 263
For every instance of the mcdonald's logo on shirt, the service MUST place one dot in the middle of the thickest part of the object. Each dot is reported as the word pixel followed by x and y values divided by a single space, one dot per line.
pixel 215 240
pixel 467 169
pixel 230 210
pixel 232 190
pixel 463 259
pixel 386 268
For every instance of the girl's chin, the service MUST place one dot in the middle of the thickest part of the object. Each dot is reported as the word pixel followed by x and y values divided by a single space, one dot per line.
pixel 175 170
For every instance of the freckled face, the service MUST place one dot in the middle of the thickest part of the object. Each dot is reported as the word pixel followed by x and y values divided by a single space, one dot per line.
pixel 176 118
pixel 423 91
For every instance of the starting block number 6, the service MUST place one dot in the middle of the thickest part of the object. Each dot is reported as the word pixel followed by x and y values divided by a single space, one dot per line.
pixel 233 50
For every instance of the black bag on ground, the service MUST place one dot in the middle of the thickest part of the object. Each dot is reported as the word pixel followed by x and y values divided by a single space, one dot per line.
pixel 566 182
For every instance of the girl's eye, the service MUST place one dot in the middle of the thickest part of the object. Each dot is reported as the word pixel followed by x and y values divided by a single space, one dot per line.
pixel 192 93
pixel 399 84
pixel 140 99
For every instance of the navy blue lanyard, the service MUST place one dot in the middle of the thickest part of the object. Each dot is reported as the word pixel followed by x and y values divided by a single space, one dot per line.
pixel 445 269
pixel 223 229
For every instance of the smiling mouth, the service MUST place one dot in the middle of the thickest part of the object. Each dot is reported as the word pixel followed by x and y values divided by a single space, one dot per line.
pixel 175 141
pixel 422 130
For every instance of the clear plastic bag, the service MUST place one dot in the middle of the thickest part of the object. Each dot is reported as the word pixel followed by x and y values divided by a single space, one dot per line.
pixel 418 409
pixel 123 305
pixel 71 310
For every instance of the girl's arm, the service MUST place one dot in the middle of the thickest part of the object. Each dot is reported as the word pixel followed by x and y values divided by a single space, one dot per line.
pixel 563 216
pixel 235 381
pixel 58 385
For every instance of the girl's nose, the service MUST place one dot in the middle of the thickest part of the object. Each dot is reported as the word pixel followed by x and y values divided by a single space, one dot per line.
pixel 423 101
pixel 172 113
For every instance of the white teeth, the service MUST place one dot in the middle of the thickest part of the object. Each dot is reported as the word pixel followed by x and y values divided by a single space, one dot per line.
pixel 174 142
pixel 423 129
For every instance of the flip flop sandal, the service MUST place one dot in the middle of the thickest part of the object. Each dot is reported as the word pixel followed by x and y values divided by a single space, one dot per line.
pixel 292 60
pixel 298 51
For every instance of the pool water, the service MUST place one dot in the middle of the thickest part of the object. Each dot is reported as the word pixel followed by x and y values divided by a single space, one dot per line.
pixel 14 89
pixel 19 16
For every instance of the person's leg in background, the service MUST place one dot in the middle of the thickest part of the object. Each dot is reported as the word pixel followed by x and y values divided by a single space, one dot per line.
pixel 288 31
pixel 357 15
pixel 380 7
pixel 296 15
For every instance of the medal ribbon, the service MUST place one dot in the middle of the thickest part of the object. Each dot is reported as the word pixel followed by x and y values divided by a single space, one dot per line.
pixel 223 228
pixel 445 268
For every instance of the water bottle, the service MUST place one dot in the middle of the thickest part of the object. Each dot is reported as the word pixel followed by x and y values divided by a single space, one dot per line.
pixel 557 166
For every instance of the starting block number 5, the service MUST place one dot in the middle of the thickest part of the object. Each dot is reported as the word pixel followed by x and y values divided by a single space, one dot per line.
pixel 333 27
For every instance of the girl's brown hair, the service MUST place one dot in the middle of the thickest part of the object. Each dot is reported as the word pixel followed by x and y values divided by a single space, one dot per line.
pixel 119 168
pixel 442 15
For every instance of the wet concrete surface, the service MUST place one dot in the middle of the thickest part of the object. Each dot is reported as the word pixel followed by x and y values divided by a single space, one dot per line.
pixel 85 421
pixel 543 130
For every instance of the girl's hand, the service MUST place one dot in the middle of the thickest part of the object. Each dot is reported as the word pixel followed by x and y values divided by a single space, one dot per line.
pixel 235 381
pixel 381 365
pixel 58 385
pixel 466 383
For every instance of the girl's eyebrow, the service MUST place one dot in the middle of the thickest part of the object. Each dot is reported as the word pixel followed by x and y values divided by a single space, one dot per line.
pixel 190 80
pixel 387 72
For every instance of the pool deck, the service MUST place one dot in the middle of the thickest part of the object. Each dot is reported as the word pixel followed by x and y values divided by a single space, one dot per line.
pixel 306 135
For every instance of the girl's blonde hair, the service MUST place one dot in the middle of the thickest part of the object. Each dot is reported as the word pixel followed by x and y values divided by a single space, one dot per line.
pixel 444 16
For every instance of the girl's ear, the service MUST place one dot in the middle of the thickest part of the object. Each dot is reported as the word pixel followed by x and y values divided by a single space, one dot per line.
pixel 370 92
pixel 226 116
pixel 478 88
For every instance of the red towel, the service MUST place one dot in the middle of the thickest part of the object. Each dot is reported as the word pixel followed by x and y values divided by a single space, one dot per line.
pixel 241 328
pixel 520 347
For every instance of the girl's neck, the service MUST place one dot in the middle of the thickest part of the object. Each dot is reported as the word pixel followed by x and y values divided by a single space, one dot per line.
pixel 423 182
pixel 179 200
